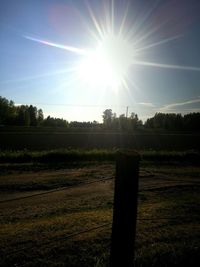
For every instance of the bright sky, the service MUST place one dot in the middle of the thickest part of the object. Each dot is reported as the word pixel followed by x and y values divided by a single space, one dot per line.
pixel 74 59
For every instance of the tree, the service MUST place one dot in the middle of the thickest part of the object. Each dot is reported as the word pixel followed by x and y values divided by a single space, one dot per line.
pixel 7 111
pixel 54 122
pixel 107 118
pixel 135 123
pixel 40 116
pixel 33 115
pixel 123 122
pixel 172 121
pixel 192 121
pixel 23 116
pixel 111 121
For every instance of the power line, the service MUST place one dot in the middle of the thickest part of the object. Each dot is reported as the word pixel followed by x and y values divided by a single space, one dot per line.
pixel 83 105
pixel 73 105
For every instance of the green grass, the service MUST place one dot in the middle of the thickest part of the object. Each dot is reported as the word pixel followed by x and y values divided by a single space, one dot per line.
pixel 69 155
pixel 33 231
pixel 57 155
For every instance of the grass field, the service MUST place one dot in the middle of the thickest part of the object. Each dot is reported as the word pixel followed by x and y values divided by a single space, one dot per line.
pixel 71 226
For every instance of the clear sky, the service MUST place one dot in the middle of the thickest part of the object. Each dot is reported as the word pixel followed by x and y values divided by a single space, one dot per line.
pixel 51 56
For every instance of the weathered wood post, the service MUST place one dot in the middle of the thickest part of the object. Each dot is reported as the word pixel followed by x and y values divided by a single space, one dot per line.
pixel 125 209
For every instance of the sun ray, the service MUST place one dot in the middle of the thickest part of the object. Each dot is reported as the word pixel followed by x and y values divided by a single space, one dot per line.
pixel 65 47
pixel 149 12
pixel 121 29
pixel 112 14
pixel 148 34
pixel 133 85
pixel 158 43
pixel 130 95
pixel 40 76
pixel 125 84
pixel 107 16
pixel 137 27
pixel 95 22
pixel 107 65
pixel 91 32
pixel 66 83
pixel 166 66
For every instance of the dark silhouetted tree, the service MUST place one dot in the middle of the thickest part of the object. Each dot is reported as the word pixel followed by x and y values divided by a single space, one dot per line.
pixel 40 117
pixel 23 115
pixel 172 121
pixel 107 118
pixel 54 122
pixel 7 111
pixel 122 123
pixel 33 115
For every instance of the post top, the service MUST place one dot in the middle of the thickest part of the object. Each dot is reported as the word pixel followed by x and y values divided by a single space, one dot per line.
pixel 128 153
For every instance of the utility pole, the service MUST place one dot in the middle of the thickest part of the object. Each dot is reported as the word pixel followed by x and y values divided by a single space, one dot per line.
pixel 125 209
pixel 127 112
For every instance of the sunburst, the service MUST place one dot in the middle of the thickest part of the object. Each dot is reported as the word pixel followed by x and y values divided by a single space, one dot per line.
pixel 116 51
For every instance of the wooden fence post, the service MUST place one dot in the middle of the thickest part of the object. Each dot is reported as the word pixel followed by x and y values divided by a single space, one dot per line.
pixel 125 209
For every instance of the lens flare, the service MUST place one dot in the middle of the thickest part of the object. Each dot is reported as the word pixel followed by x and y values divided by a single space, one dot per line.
pixel 117 48
pixel 108 64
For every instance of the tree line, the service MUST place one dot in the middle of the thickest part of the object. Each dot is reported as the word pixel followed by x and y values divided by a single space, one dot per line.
pixel 172 121
pixel 29 115
pixel 111 121
pixel 24 115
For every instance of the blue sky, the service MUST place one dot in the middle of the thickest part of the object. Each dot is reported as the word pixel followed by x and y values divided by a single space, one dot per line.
pixel 164 78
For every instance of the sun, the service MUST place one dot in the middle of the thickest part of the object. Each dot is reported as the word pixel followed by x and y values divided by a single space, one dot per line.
pixel 108 64
pixel 118 46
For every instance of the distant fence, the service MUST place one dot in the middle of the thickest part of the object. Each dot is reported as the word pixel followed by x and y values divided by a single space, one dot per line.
pixel 55 140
